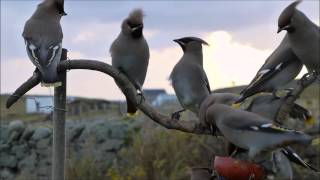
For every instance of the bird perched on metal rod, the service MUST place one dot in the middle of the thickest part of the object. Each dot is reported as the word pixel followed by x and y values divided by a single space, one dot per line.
pixel 264 105
pixel 248 130
pixel 303 36
pixel 281 67
pixel 188 77
pixel 43 38
pixel 130 53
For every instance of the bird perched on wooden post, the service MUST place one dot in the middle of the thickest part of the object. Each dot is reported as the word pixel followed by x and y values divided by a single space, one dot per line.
pixel 130 53
pixel 303 35
pixel 43 38
pixel 188 77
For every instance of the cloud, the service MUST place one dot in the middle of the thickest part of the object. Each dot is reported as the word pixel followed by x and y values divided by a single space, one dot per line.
pixel 225 60
pixel 229 62
pixel 94 31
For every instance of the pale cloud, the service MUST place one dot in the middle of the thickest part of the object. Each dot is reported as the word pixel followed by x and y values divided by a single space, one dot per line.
pixel 161 64
pixel 228 62
pixel 96 31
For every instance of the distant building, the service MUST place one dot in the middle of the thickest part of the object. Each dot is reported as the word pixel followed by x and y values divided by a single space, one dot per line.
pixel 38 104
pixel 163 99
pixel 82 106
pixel 75 106
pixel 152 94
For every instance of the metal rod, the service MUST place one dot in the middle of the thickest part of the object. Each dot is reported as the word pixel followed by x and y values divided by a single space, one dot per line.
pixel 59 116
pixel 25 87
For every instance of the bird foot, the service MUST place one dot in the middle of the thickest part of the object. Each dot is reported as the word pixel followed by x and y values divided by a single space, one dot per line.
pixel 142 98
pixel 308 78
pixel 175 115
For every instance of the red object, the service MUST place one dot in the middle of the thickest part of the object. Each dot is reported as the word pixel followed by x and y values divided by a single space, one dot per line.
pixel 233 169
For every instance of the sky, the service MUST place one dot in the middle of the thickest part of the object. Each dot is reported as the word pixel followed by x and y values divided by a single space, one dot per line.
pixel 241 34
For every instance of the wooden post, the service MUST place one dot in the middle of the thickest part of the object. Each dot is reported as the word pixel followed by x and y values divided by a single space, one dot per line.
pixel 59 116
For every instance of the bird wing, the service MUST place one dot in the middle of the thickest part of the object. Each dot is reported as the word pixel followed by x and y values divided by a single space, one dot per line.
pixel 247 121
pixel 197 69
pixel 279 60
pixel 264 75
pixel 294 157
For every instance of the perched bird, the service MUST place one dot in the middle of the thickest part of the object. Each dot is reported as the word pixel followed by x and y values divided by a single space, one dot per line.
pixel 130 53
pixel 268 106
pixel 248 130
pixel 281 67
pixel 303 35
pixel 188 77
pixel 264 105
pixel 43 38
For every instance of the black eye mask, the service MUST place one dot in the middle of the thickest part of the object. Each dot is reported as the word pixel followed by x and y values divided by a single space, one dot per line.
pixel 133 25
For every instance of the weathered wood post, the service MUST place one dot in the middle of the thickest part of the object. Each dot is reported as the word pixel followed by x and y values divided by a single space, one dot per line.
pixel 59 116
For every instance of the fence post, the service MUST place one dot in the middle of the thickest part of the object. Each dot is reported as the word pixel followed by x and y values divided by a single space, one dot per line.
pixel 59 116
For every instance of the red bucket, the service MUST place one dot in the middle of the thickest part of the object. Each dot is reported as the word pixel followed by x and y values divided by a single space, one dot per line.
pixel 233 169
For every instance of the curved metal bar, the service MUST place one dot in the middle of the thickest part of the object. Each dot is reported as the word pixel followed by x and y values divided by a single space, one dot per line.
pixel 24 88
pixel 130 91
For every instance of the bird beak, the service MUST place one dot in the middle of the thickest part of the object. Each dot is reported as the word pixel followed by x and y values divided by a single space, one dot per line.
pixel 205 43
pixel 283 28
pixel 176 40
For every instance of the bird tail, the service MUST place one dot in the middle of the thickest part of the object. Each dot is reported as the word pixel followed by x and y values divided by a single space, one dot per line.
pixel 302 114
pixel 241 99
pixel 131 108
pixel 294 157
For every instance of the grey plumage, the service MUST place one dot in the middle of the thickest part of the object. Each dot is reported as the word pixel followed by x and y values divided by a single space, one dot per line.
pixel 43 38
pixel 294 157
pixel 248 130
pixel 188 77
pixel 265 105
pixel 282 166
pixel 130 52
pixel 303 35
pixel 281 67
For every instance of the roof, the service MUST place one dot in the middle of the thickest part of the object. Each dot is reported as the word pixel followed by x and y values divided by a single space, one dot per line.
pixel 152 92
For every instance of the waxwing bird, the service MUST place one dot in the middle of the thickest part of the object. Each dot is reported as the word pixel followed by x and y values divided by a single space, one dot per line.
pixel 250 131
pixel 43 38
pixel 188 77
pixel 281 67
pixel 130 53
pixel 267 106
pixel 264 104
pixel 303 35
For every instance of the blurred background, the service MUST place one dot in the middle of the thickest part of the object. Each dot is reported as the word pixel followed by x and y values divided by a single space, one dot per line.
pixel 102 142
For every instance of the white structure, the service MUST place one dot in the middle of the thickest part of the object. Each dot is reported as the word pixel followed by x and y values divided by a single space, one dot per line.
pixel 39 104
pixel 164 98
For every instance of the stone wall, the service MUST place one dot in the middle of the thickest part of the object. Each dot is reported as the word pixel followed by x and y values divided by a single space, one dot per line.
pixel 26 150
